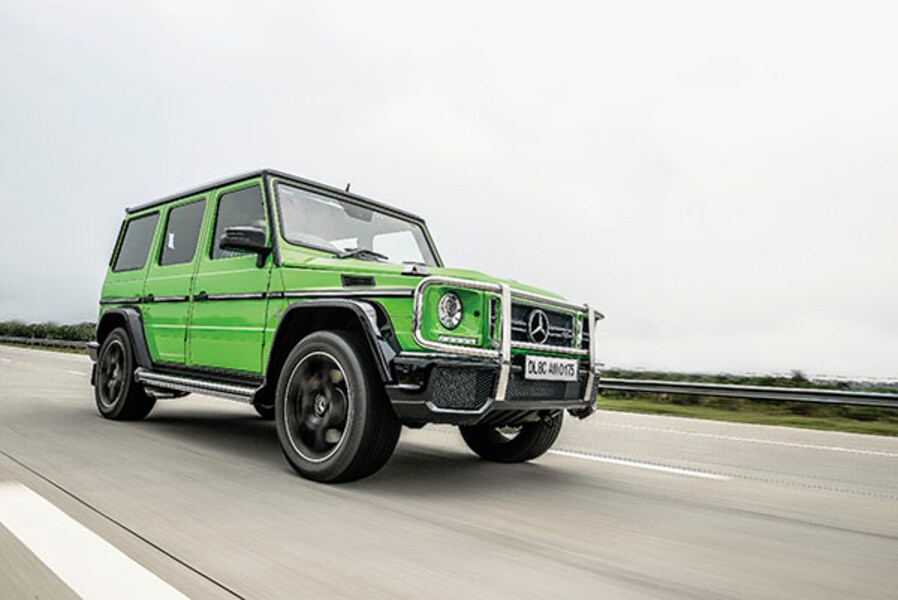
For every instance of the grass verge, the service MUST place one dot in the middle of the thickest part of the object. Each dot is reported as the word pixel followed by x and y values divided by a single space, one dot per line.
pixel 852 419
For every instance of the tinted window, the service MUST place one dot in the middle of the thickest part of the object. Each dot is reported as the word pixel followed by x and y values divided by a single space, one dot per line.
pixel 132 254
pixel 240 208
pixel 182 233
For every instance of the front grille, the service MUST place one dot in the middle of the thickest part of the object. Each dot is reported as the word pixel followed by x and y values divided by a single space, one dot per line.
pixel 561 325
pixel 528 389
pixel 461 389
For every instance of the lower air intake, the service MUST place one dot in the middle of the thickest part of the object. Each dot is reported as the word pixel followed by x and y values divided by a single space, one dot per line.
pixel 461 389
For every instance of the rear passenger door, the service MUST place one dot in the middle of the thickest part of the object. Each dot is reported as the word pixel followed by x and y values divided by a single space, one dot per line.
pixel 169 282
pixel 229 305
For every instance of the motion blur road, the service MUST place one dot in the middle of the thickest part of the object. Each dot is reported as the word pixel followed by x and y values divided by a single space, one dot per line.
pixel 627 506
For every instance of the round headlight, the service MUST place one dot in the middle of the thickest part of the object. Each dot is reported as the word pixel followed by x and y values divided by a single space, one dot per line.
pixel 450 310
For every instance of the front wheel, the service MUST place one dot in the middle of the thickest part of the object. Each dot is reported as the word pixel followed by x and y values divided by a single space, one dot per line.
pixel 333 419
pixel 512 444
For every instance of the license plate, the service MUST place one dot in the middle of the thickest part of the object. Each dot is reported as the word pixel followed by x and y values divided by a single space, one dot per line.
pixel 547 368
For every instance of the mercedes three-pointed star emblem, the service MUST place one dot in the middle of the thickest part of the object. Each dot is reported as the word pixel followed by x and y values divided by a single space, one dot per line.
pixel 538 326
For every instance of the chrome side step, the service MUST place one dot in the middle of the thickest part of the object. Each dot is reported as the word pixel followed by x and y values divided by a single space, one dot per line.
pixel 242 393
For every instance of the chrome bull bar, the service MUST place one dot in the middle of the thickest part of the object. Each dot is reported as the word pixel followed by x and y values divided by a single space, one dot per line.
pixel 502 354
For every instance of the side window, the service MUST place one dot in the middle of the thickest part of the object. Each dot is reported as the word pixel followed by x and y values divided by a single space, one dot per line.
pixel 181 233
pixel 135 247
pixel 236 209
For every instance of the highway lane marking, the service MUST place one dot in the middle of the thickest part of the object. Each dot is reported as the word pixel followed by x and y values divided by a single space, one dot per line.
pixel 734 438
pixel 3 359
pixel 88 564
pixel 82 373
pixel 640 465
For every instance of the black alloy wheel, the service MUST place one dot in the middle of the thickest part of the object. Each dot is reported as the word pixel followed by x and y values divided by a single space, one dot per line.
pixel 513 444
pixel 333 418
pixel 117 395
pixel 318 410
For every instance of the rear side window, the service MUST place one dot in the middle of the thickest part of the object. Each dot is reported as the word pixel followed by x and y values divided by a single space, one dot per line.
pixel 135 247
pixel 181 233
pixel 238 209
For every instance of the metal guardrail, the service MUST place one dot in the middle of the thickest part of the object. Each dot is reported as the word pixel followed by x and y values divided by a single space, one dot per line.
pixel 656 386
pixel 752 392
pixel 43 342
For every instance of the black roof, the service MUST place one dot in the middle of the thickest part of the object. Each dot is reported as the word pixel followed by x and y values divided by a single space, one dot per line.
pixel 274 173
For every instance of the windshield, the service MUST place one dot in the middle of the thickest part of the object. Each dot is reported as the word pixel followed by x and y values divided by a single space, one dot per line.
pixel 312 219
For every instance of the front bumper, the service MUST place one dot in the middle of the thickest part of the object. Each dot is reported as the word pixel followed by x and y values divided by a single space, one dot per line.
pixel 459 391
pixel 471 385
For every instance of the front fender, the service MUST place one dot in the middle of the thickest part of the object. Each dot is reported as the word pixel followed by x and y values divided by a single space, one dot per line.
pixel 381 350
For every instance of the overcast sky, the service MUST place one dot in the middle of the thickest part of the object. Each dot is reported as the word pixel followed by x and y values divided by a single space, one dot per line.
pixel 718 178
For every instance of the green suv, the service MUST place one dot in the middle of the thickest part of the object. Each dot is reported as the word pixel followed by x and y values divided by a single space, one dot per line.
pixel 333 315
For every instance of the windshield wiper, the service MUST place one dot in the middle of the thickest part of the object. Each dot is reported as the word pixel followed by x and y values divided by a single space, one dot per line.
pixel 362 253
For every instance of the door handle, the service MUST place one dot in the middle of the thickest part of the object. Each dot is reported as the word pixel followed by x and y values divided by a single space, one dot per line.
pixel 201 296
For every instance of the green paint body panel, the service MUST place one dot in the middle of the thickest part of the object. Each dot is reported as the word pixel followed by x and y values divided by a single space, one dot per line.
pixel 228 334
pixel 236 334
pixel 165 323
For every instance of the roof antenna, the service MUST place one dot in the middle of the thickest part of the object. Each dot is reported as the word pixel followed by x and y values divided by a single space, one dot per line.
pixel 347 186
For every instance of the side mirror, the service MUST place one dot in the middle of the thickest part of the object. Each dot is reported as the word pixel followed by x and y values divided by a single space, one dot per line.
pixel 245 239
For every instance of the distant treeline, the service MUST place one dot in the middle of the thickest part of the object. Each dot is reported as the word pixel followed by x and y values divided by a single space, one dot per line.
pixel 78 332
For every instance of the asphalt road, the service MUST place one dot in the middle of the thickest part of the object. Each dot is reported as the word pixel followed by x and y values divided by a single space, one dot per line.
pixel 199 497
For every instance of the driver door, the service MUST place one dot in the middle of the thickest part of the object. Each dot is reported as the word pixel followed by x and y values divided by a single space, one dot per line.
pixel 229 304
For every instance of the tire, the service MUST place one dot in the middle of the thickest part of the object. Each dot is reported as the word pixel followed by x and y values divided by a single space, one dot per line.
pixel 531 440
pixel 334 421
pixel 117 395
pixel 266 411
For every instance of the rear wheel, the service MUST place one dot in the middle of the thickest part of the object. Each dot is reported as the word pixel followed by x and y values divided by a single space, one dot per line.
pixel 513 444
pixel 117 395
pixel 333 419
